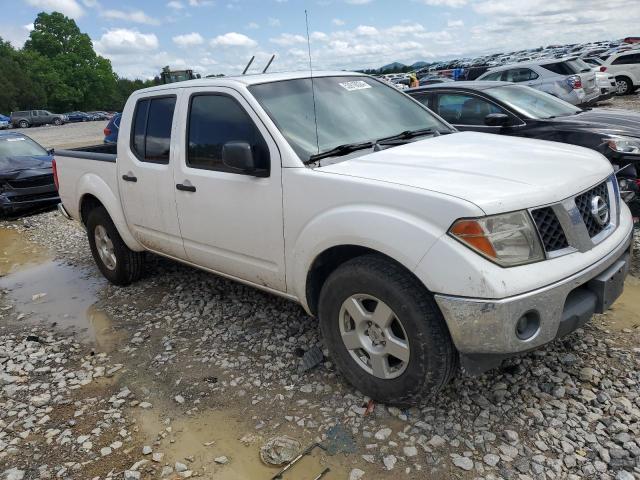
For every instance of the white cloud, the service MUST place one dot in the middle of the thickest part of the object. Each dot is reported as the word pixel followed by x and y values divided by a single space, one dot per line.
pixel 200 3
pixel 253 25
pixel 338 22
pixel 358 2
pixel 16 35
pixel 188 39
pixel 175 4
pixel 366 30
pixel 233 39
pixel 71 8
pixel 455 23
pixel 273 22
pixel 125 41
pixel 135 16
pixel 287 39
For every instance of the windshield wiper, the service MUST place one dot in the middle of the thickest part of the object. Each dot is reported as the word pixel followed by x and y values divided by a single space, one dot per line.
pixel 408 134
pixel 338 151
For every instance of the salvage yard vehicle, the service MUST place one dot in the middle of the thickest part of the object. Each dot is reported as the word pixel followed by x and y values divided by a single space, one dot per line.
pixel 26 175
pixel 518 110
pixel 34 118
pixel 416 246
pixel 625 66
pixel 570 79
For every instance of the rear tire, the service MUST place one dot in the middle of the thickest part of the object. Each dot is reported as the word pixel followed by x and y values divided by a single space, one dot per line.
pixel 417 331
pixel 625 85
pixel 117 262
pixel 23 124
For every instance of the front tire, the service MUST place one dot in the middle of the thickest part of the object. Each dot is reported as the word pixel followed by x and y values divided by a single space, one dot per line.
pixel 57 121
pixel 117 262
pixel 625 86
pixel 384 331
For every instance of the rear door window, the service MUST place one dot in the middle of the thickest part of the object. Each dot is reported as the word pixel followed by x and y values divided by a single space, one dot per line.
pixel 627 59
pixel 151 129
pixel 493 76
pixel 561 68
pixel 461 109
pixel 517 75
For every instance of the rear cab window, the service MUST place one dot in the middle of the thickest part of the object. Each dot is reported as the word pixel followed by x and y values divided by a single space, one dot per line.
pixel 151 129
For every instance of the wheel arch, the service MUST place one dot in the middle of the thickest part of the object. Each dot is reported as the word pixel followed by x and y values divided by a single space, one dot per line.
pixel 93 192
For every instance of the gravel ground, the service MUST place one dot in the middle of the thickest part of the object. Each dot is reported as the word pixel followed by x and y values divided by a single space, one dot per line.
pixel 186 374
pixel 70 135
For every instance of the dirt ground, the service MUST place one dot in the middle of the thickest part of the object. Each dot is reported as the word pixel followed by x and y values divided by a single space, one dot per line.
pixel 185 374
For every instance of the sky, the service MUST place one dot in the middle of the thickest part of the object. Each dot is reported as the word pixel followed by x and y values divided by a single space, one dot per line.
pixel 220 36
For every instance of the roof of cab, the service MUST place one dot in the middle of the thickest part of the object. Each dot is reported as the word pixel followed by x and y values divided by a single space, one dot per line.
pixel 246 80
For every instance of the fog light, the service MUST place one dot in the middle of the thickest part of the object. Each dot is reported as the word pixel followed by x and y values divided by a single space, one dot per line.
pixel 527 325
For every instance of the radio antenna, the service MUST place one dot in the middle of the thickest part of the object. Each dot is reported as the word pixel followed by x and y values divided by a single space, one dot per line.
pixel 248 65
pixel 313 92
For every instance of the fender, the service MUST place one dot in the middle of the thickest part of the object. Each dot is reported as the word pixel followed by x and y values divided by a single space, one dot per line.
pixel 392 232
pixel 92 184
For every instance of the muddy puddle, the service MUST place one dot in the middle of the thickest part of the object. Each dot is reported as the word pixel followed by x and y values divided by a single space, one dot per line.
pixel 625 312
pixel 198 440
pixel 17 253
pixel 51 293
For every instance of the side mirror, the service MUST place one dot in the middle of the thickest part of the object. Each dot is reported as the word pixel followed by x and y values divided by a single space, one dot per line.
pixel 239 156
pixel 496 120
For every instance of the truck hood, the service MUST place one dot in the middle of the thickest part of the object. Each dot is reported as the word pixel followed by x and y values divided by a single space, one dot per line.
pixel 495 172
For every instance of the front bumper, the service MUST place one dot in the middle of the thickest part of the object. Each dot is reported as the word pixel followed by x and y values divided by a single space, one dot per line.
pixel 20 200
pixel 486 327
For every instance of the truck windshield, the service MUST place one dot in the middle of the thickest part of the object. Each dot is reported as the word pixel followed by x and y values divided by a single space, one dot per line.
pixel 349 110
pixel 532 103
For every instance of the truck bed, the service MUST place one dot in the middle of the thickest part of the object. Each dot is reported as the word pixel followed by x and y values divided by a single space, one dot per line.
pixel 105 152
pixel 86 170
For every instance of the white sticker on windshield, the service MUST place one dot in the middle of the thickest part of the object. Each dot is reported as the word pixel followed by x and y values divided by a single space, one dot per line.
pixel 17 139
pixel 355 85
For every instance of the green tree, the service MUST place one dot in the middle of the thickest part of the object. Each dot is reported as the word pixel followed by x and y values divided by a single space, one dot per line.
pixel 83 79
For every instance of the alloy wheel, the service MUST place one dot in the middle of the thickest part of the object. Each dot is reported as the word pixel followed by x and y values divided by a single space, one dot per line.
pixel 105 249
pixel 374 336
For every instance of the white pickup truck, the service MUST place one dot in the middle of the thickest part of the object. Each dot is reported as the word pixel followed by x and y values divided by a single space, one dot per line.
pixel 416 246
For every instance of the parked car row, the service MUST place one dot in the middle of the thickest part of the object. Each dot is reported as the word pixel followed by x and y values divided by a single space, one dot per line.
pixel 34 118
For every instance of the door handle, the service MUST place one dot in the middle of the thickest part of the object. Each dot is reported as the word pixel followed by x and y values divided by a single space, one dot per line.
pixel 129 178
pixel 185 188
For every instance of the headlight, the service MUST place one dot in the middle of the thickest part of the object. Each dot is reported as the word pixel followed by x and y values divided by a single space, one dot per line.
pixel 508 239
pixel 624 144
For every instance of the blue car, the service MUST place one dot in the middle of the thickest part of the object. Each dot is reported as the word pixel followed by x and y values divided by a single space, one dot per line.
pixel 4 121
pixel 26 175
pixel 112 128
pixel 73 117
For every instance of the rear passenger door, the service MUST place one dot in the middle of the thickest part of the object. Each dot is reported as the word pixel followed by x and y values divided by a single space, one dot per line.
pixel 231 221
pixel 145 173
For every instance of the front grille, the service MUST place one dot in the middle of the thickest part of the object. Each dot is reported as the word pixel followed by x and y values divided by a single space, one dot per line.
pixel 583 202
pixel 30 182
pixel 550 230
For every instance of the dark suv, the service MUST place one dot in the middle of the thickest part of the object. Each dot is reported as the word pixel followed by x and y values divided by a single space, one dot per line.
pixel 30 118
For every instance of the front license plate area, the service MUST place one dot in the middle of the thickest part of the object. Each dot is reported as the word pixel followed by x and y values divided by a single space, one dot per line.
pixel 608 286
